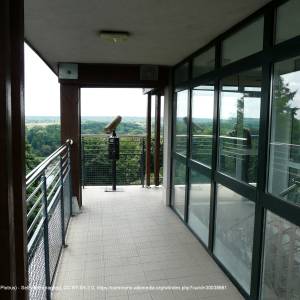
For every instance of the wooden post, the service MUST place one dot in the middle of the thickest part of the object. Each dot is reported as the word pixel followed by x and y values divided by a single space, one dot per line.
pixel 7 249
pixel 18 144
pixel 157 139
pixel 13 248
pixel 70 128
pixel 148 141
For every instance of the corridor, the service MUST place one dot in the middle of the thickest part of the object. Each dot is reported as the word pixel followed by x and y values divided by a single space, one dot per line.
pixel 128 245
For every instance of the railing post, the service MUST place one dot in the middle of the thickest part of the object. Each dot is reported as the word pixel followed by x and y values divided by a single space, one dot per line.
pixel 46 237
pixel 157 140
pixel 82 163
pixel 70 179
pixel 62 205
pixel 148 143
pixel 142 163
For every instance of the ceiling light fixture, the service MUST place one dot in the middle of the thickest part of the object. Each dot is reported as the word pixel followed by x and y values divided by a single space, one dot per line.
pixel 114 36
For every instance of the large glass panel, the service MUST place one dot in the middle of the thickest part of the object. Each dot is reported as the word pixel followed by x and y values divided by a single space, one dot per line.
pixel 234 234
pixel 204 62
pixel 199 204
pixel 181 122
pixel 181 73
pixel 281 264
pixel 202 123
pixel 245 42
pixel 284 161
pixel 288 21
pixel 239 125
pixel 179 186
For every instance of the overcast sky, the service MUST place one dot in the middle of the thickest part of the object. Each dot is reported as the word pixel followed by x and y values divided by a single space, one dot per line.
pixel 42 94
pixel 42 97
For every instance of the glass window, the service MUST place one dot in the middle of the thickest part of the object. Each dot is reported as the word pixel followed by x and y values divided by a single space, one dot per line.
pixel 204 62
pixel 245 42
pixel 284 161
pixel 288 21
pixel 181 73
pixel 239 125
pixel 234 234
pixel 202 123
pixel 199 204
pixel 181 122
pixel 179 180
pixel 281 264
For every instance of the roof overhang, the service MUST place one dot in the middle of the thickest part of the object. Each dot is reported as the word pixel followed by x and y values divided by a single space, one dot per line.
pixel 161 32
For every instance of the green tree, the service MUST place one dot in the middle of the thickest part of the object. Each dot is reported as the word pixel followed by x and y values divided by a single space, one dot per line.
pixel 31 161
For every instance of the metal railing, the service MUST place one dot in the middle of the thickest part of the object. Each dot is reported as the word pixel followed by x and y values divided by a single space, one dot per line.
pixel 49 208
pixel 96 167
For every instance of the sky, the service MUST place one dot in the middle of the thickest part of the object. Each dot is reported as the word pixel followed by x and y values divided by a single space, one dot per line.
pixel 42 94
pixel 113 102
pixel 41 87
pixel 293 79
pixel 42 97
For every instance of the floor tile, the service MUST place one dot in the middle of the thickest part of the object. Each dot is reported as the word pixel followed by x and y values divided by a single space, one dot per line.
pixel 131 239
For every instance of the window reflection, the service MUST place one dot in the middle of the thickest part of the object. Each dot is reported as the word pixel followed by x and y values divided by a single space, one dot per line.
pixel 202 123
pixel 181 122
pixel 287 21
pixel 281 265
pixel 204 63
pixel 284 162
pixel 243 43
pixel 181 74
pixel 239 125
pixel 234 234
pixel 199 204
pixel 179 186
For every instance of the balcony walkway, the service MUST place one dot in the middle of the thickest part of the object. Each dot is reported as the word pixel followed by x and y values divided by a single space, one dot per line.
pixel 131 239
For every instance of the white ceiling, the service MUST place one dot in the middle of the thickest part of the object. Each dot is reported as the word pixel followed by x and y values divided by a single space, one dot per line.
pixel 163 31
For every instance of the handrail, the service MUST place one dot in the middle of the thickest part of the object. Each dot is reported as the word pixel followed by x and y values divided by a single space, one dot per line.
pixel 284 144
pixel 38 170
pixel 49 208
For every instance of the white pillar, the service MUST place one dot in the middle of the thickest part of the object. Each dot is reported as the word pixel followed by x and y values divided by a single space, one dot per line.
pixel 167 122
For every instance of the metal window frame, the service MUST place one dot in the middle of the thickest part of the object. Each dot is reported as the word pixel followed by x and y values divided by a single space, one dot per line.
pixel 264 201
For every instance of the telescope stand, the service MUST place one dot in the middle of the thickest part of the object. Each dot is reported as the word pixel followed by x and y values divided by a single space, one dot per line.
pixel 113 155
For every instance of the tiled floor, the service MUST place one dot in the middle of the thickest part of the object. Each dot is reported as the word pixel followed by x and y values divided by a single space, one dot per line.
pixel 130 239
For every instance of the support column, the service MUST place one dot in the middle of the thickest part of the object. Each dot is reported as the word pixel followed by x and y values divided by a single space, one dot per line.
pixel 70 129
pixel 18 145
pixel 148 141
pixel 157 139
pixel 12 172
pixel 7 249
pixel 167 161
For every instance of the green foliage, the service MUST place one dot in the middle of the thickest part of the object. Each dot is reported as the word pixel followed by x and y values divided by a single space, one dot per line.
pixel 94 127
pixel 43 139
pixel 31 160
pixel 97 166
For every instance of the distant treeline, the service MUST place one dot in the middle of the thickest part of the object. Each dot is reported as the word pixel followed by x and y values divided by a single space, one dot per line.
pixel 56 119
pixel 43 135
pixel 125 128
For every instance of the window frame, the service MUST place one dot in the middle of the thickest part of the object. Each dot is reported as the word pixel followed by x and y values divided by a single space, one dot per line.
pixel 264 201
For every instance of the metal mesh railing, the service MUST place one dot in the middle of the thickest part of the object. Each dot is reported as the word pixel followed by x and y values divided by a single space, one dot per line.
pixel 97 169
pixel 49 208
pixel 55 238
pixel 36 263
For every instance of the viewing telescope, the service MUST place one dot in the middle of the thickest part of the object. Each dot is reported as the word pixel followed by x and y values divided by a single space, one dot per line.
pixel 112 126
pixel 113 148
